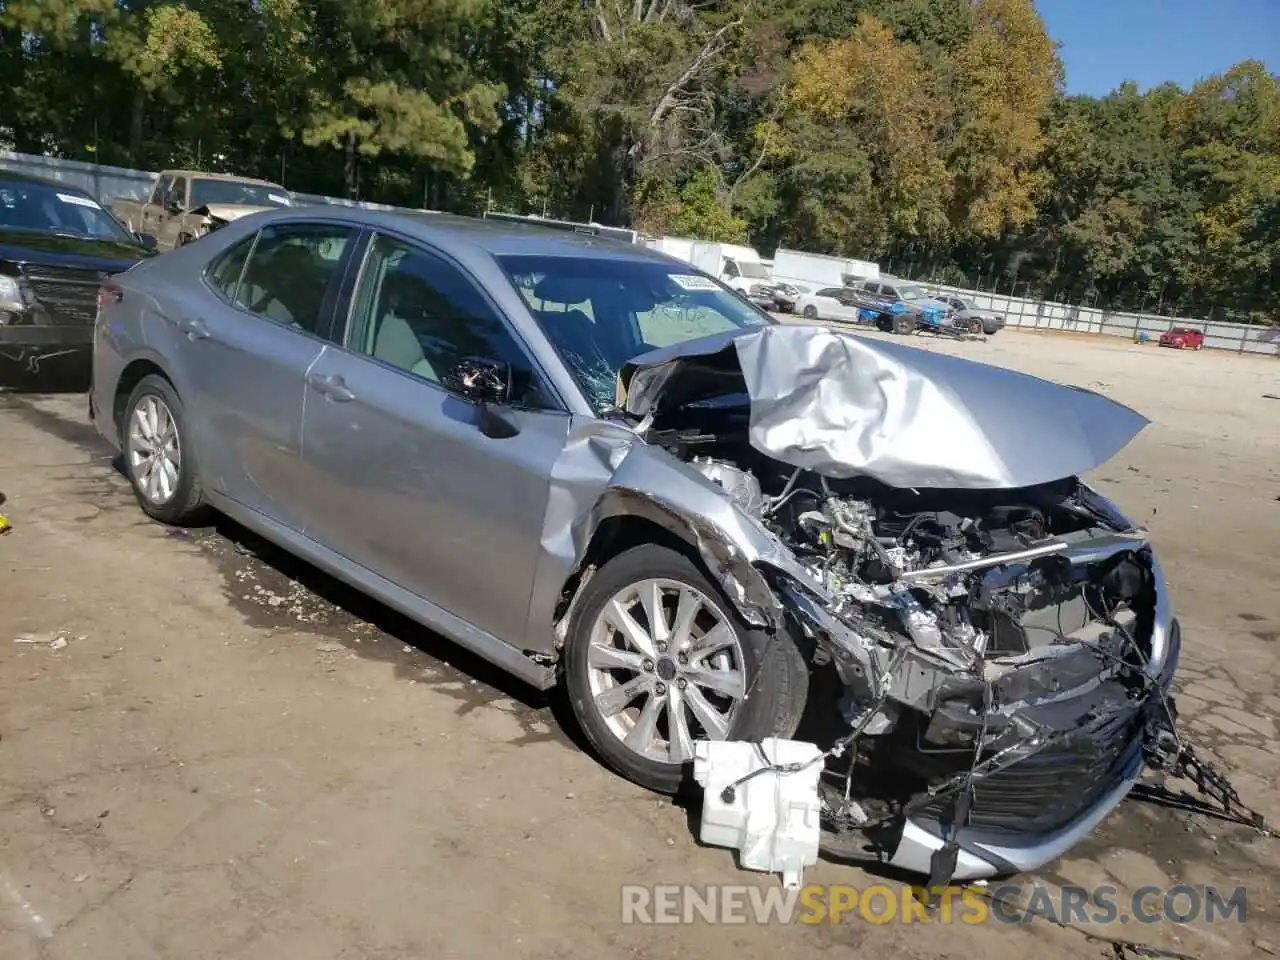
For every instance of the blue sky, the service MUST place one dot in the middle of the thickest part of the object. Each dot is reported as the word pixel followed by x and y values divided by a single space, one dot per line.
pixel 1105 42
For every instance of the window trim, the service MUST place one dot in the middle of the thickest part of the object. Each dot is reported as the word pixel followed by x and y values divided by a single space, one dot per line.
pixel 344 307
pixel 326 323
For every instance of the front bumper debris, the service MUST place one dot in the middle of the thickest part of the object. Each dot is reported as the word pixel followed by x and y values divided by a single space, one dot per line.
pixel 34 334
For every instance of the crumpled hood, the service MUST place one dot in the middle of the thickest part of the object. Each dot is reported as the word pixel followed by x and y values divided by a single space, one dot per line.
pixel 845 406
pixel 229 211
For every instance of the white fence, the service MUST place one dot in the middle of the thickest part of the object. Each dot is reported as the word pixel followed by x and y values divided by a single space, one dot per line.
pixel 1044 315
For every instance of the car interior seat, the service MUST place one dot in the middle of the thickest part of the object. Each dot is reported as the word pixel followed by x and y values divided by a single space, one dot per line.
pixel 394 339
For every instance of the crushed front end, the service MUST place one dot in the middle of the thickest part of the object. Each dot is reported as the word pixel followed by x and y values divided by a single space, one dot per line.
pixel 996 664
pixel 991 641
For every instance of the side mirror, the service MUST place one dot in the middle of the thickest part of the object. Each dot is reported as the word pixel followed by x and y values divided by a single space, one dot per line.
pixel 480 380
pixel 145 240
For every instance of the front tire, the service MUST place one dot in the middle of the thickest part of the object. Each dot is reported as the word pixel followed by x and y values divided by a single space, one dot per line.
pixel 903 324
pixel 159 456
pixel 658 658
pixel 811 312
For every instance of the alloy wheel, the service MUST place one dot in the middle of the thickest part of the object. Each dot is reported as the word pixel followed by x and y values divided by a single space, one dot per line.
pixel 665 668
pixel 154 452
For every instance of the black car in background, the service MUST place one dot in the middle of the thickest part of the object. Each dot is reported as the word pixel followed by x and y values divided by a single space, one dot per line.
pixel 57 246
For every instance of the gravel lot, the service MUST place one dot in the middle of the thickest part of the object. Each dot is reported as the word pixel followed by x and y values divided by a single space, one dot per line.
pixel 210 750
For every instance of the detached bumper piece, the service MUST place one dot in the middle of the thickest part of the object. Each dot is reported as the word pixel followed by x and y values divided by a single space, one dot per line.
pixel 41 335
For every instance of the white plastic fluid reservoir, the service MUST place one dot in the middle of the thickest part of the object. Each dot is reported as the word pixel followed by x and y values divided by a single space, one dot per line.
pixel 772 816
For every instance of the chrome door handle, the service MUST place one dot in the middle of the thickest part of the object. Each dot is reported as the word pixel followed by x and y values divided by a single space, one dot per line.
pixel 194 329
pixel 332 386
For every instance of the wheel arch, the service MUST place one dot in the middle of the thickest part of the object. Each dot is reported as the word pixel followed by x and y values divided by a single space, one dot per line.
pixel 628 518
pixel 132 374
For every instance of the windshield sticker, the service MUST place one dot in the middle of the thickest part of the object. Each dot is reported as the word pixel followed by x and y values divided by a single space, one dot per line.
pixel 689 281
pixel 276 198
pixel 79 201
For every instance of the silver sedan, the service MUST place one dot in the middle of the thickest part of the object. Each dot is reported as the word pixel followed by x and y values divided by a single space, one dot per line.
pixel 595 465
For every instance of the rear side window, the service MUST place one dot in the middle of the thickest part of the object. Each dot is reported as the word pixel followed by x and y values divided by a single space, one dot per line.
pixel 290 272
pixel 830 292
pixel 224 276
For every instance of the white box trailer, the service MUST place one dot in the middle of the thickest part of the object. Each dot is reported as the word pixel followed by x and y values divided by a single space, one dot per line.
pixel 813 271
pixel 679 247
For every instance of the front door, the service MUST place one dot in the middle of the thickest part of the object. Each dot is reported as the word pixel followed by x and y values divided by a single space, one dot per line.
pixel 400 478
pixel 170 222
pixel 247 345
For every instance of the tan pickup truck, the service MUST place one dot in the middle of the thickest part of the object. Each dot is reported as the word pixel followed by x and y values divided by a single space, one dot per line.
pixel 186 204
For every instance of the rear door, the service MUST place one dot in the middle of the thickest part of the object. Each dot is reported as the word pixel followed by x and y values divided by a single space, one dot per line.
pixel 399 476
pixel 248 340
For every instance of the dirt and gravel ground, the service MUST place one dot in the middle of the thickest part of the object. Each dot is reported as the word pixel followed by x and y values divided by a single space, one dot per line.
pixel 210 750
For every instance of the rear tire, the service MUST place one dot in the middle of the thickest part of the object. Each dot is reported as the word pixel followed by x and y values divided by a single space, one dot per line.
pixel 623 695
pixel 159 455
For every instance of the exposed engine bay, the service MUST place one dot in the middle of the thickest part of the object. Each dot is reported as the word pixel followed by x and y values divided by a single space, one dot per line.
pixel 964 635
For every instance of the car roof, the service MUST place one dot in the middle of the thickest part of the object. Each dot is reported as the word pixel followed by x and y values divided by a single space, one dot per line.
pixel 498 238
pixel 227 177
pixel 42 181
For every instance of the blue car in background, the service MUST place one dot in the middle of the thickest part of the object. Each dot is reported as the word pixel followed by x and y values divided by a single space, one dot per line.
pixel 900 306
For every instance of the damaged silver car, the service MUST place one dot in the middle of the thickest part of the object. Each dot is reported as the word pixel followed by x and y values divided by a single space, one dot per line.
pixel 593 465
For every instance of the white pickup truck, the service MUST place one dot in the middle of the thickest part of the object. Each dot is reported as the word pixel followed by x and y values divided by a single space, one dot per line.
pixel 186 204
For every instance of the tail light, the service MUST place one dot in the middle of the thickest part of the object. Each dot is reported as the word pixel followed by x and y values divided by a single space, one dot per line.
pixel 108 294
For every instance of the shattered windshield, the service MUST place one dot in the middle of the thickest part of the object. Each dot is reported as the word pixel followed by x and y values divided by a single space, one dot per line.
pixel 600 313
pixel 238 192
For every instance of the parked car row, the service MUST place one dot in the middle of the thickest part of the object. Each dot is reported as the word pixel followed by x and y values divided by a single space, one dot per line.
pixel 897 306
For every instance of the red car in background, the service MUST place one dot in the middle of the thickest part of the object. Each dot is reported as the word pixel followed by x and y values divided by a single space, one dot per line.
pixel 1183 338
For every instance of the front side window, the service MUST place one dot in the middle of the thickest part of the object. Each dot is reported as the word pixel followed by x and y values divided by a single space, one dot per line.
pixel 731 269
pixel 415 312
pixel 290 272
pixel 178 194
pixel 62 211
pixel 600 313
pixel 161 190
